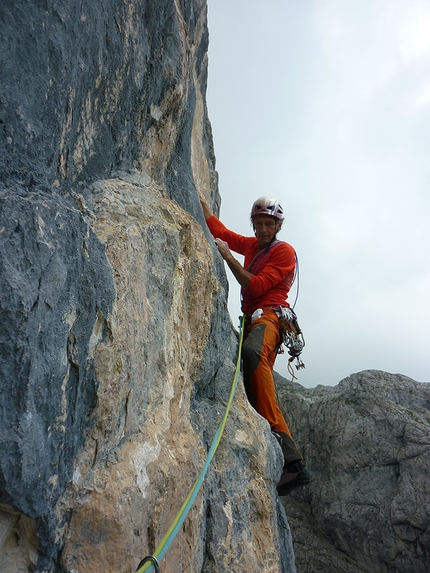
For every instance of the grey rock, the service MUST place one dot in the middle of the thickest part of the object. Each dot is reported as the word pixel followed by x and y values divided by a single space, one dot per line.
pixel 367 442
pixel 56 290
pixel 117 352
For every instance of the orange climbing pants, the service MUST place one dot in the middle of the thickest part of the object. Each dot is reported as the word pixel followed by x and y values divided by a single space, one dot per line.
pixel 258 354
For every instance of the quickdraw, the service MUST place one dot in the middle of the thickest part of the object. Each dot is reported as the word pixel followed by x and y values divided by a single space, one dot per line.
pixel 291 337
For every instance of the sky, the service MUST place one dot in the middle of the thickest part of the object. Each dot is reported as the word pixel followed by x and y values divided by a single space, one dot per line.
pixel 325 105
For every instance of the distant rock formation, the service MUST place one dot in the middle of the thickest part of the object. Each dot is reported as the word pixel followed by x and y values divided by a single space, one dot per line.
pixel 368 445
pixel 117 352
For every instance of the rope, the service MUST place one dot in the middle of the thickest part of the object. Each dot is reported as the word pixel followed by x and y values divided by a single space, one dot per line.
pixel 296 276
pixel 183 512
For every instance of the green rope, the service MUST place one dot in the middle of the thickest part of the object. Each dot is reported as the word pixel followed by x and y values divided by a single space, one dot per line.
pixel 182 514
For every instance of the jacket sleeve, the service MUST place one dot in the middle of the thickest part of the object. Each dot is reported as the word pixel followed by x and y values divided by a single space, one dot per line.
pixel 220 231
pixel 278 269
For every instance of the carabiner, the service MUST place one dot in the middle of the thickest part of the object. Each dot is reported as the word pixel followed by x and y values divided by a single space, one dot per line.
pixel 153 560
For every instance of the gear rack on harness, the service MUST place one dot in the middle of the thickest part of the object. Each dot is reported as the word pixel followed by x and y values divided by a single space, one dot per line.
pixel 291 336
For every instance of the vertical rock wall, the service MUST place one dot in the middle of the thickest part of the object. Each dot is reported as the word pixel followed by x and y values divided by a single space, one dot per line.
pixel 117 353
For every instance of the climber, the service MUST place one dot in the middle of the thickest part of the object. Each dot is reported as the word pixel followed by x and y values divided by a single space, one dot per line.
pixel 265 278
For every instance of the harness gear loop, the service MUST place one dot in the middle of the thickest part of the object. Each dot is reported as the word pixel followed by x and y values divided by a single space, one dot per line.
pixel 148 559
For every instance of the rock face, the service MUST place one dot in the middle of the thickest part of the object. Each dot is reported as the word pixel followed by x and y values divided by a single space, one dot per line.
pixel 117 352
pixel 368 445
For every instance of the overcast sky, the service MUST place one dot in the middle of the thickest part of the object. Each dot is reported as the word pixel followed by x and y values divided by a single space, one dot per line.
pixel 325 104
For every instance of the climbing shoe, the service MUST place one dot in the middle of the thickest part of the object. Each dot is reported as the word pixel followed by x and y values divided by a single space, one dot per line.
pixel 295 474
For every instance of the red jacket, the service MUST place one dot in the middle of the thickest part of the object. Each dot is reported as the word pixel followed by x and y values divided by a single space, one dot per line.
pixel 273 271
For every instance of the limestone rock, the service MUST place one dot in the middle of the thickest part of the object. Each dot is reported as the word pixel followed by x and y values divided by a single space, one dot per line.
pixel 117 352
pixel 367 441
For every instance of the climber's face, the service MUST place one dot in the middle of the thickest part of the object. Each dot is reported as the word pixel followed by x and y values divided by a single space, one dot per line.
pixel 265 229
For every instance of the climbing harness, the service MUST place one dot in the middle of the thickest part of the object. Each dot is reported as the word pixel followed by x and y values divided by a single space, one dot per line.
pixel 290 331
pixel 151 562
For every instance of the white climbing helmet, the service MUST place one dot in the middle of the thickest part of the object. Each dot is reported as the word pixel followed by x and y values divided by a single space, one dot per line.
pixel 267 206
